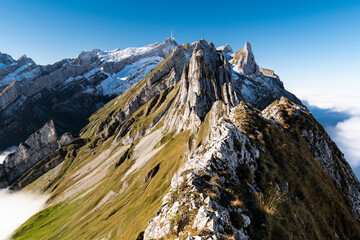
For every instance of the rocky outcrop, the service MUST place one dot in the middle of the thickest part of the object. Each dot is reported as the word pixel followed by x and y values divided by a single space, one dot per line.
pixel 226 50
pixel 290 115
pixel 244 61
pixel 196 215
pixel 5 60
pixel 36 147
pixel 204 81
pixel 253 84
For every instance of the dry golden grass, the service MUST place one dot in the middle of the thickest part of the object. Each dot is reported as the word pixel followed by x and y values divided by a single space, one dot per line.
pixel 270 203
pixel 237 203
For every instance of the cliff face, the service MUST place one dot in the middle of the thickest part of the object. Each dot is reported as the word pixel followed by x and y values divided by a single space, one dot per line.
pixel 39 145
pixel 205 80
pixel 192 152
pixel 256 85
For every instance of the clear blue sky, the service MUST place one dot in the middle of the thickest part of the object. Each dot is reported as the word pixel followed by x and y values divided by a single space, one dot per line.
pixel 303 41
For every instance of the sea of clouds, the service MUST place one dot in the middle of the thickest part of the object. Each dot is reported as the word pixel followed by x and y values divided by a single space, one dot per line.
pixel 16 208
pixel 345 130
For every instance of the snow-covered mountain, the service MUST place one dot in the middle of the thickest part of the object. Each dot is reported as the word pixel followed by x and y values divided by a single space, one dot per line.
pixel 70 90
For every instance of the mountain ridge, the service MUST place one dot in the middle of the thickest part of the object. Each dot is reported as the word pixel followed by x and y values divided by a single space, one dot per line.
pixel 199 150
pixel 70 90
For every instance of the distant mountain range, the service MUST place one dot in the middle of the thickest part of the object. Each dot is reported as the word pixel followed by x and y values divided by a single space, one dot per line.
pixel 70 90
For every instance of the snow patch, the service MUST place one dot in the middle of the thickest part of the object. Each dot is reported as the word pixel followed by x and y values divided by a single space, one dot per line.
pixel 19 74
pixel 131 74
pixel 2 65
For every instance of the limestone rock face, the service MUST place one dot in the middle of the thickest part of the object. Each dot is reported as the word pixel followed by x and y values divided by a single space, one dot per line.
pixel 66 139
pixel 5 60
pixel 208 79
pixel 244 60
pixel 36 147
pixel 209 159
pixel 205 80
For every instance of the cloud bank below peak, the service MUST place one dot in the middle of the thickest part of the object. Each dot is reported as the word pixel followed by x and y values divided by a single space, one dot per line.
pixel 16 208
pixel 339 112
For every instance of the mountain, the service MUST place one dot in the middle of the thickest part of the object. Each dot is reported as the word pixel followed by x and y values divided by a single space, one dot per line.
pixel 70 90
pixel 208 145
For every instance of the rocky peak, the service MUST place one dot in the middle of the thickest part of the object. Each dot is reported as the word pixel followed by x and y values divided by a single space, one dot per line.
pixel 25 60
pixel 204 81
pixel 244 60
pixel 170 41
pixel 226 50
pixel 39 142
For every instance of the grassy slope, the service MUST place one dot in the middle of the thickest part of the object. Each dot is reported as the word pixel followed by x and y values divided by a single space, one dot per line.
pixel 126 216
pixel 129 212
pixel 314 208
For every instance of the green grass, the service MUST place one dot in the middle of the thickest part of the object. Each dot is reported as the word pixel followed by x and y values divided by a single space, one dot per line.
pixel 126 216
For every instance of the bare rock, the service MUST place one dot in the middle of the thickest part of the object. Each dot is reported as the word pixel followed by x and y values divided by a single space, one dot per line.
pixel 244 60
pixel 40 144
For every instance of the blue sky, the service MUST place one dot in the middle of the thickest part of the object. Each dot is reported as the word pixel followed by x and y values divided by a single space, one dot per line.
pixel 310 44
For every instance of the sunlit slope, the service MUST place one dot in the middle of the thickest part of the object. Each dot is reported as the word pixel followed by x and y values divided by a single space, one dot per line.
pixel 181 155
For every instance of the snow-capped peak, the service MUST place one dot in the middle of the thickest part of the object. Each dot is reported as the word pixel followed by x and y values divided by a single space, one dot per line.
pixel 164 48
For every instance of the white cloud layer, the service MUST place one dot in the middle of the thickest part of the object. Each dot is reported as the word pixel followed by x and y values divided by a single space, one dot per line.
pixel 6 152
pixel 16 208
pixel 346 134
pixel 337 100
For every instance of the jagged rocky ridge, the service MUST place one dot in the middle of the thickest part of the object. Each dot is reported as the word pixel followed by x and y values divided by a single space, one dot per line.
pixel 20 164
pixel 193 152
